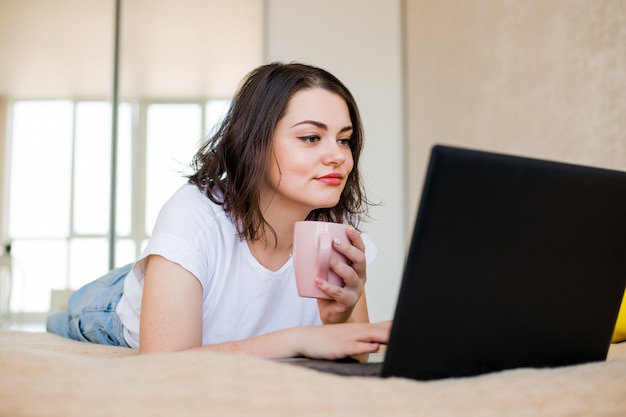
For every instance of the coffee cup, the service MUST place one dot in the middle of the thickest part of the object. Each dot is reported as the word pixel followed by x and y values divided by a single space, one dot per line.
pixel 312 252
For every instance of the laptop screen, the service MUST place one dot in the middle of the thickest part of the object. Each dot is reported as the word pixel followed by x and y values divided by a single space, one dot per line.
pixel 514 262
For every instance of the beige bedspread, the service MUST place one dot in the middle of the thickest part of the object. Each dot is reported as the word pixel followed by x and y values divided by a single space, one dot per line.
pixel 45 375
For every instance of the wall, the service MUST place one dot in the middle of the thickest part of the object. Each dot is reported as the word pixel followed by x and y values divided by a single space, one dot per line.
pixel 543 78
pixel 52 49
pixel 168 49
pixel 189 48
pixel 360 42
pixel 4 179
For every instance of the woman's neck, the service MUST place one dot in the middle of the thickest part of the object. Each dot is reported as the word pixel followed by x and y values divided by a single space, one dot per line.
pixel 274 249
pixel 270 256
pixel 281 221
pixel 275 246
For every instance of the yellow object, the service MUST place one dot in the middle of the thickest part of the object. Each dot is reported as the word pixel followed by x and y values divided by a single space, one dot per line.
pixel 619 334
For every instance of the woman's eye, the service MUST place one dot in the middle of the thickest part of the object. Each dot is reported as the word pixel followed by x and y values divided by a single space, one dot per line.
pixel 310 138
pixel 344 141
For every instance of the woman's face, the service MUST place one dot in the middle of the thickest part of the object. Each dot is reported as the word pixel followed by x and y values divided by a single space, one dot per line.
pixel 310 158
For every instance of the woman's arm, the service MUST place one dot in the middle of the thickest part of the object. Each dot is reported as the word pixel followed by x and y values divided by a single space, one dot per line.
pixel 171 320
pixel 334 341
pixel 171 308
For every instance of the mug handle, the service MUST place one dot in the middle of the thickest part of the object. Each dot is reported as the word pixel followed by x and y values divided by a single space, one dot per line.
pixel 324 247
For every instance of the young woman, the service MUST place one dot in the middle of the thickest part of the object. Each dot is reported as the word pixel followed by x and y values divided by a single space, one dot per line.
pixel 217 272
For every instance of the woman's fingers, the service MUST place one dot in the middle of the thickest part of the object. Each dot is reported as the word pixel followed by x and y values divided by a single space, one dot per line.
pixel 337 341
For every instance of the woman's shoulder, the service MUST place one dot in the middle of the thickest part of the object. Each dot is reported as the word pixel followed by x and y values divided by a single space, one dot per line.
pixel 190 206
pixel 190 197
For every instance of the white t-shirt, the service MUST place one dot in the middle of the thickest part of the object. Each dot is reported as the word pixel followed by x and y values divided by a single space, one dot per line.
pixel 241 298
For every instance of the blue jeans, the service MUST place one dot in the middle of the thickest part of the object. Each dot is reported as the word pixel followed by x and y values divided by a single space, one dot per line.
pixel 91 313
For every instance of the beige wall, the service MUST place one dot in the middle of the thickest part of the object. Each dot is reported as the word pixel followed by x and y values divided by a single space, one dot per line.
pixel 543 78
pixel 168 49
pixel 59 48
pixel 189 48
pixel 4 226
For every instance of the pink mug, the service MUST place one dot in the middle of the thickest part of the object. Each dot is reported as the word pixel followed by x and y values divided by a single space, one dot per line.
pixel 312 252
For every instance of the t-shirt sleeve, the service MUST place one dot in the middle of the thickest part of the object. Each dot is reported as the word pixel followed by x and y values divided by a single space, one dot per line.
pixel 182 234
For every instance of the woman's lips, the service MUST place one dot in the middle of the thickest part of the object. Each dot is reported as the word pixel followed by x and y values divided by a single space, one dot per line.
pixel 331 179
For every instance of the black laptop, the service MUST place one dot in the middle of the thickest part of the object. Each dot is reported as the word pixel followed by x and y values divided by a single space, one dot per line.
pixel 514 262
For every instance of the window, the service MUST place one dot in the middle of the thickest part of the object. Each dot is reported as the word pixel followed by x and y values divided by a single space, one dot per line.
pixel 59 185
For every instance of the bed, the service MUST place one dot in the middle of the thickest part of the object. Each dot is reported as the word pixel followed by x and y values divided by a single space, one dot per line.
pixel 45 375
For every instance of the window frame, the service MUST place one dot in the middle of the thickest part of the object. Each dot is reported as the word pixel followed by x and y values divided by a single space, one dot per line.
pixel 138 234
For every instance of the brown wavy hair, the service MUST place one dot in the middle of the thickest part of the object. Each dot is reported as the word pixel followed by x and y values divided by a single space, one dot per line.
pixel 230 167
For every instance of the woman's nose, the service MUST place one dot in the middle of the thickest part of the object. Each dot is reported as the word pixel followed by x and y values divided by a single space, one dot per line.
pixel 333 153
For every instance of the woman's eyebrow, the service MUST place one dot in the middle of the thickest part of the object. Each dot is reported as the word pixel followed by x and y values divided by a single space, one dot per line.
pixel 321 125
pixel 311 122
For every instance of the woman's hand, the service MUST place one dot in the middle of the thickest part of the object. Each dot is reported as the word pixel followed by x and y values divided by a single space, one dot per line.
pixel 344 299
pixel 339 341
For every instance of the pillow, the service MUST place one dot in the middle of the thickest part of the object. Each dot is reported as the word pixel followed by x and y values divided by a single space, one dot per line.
pixel 619 334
